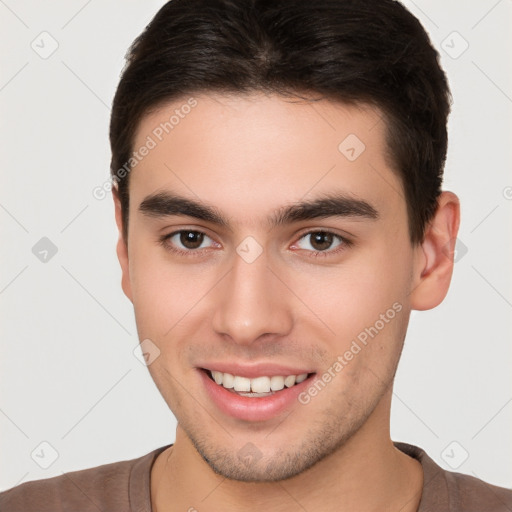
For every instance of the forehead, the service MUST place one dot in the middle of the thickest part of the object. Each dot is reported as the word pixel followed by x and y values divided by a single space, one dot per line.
pixel 249 152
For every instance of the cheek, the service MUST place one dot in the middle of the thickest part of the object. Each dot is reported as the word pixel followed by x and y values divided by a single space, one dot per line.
pixel 166 296
pixel 350 298
pixel 364 305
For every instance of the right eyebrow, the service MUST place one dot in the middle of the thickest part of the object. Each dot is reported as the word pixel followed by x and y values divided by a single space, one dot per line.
pixel 164 204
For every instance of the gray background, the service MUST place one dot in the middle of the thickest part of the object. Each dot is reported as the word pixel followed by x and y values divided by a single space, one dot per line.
pixel 69 376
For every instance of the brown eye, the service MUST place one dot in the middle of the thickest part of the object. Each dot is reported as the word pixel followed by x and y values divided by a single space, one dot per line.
pixel 320 241
pixel 191 239
pixel 186 241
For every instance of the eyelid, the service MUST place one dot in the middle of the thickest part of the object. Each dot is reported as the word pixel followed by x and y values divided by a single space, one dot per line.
pixel 202 230
pixel 164 240
pixel 345 242
pixel 345 237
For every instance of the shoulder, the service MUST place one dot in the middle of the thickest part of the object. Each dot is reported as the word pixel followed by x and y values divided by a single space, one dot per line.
pixel 105 487
pixel 87 490
pixel 456 492
pixel 473 494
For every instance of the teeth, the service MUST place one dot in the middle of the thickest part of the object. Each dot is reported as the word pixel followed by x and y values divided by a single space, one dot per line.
pixel 276 383
pixel 242 384
pixel 228 380
pixel 259 386
pixel 289 381
pixel 254 395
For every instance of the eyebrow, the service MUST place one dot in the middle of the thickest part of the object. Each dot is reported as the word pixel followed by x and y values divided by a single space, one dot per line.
pixel 164 204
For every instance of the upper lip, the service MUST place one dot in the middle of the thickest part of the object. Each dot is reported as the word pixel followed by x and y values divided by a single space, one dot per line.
pixel 255 370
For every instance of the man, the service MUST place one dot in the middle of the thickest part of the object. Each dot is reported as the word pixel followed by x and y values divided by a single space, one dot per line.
pixel 277 170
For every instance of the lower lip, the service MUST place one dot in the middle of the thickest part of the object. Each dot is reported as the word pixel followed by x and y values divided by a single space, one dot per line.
pixel 253 409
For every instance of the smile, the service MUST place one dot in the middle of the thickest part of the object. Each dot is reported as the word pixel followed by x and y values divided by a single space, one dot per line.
pixel 256 387
pixel 254 397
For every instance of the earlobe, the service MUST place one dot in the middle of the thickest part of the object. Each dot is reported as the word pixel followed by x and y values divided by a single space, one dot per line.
pixel 122 247
pixel 435 255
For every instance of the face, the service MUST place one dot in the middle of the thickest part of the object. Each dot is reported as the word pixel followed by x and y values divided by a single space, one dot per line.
pixel 268 244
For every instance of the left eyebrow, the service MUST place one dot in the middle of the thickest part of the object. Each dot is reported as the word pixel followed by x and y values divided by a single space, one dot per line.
pixel 331 205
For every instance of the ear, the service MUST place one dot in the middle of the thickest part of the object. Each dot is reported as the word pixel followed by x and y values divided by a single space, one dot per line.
pixel 122 247
pixel 434 256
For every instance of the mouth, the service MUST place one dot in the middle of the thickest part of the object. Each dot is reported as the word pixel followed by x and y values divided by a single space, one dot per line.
pixel 254 398
pixel 258 387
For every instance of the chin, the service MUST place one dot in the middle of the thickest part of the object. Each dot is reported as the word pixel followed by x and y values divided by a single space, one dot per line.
pixel 250 464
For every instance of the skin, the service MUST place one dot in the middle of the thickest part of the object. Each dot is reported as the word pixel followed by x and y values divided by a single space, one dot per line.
pixel 248 156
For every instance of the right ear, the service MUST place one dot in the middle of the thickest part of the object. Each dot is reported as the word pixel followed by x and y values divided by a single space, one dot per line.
pixel 122 246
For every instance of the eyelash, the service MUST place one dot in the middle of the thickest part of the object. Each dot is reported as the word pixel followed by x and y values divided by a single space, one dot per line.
pixel 345 243
pixel 164 241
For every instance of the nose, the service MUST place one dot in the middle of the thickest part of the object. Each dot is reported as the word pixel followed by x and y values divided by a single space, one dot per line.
pixel 251 303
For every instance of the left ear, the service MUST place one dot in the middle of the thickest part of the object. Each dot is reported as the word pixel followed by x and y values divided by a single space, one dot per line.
pixel 122 246
pixel 434 256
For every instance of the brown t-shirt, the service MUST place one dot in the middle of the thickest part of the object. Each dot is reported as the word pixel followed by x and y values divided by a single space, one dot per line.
pixel 125 487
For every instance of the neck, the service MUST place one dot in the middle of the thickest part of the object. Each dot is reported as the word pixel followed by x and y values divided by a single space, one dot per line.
pixel 367 474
